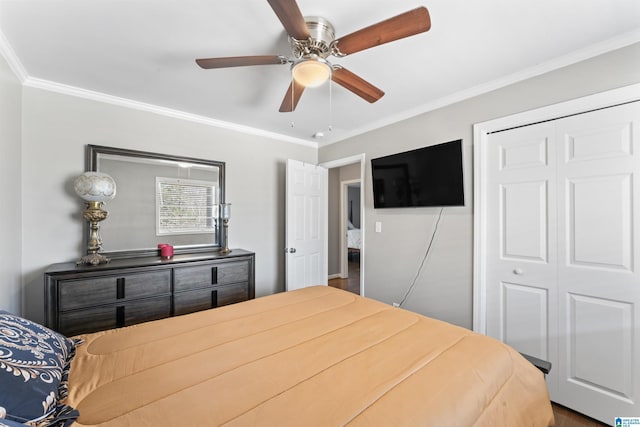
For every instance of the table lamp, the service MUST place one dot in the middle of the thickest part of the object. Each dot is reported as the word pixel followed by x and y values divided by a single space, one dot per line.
pixel 95 188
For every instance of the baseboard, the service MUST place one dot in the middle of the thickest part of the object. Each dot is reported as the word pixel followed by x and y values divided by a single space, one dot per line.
pixel 335 276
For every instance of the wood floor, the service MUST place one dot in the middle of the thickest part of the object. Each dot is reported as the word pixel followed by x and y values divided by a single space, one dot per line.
pixel 564 417
pixel 352 283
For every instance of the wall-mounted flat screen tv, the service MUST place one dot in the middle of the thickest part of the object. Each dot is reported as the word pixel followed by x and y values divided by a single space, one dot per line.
pixel 428 176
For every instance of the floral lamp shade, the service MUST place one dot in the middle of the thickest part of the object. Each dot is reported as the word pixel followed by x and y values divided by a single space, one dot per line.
pixel 95 187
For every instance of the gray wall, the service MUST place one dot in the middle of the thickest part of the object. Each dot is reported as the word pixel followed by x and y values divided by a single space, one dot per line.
pixel 56 129
pixel 353 205
pixel 444 289
pixel 10 191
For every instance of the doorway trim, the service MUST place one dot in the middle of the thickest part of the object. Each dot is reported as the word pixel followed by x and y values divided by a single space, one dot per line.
pixel 481 132
pixel 358 158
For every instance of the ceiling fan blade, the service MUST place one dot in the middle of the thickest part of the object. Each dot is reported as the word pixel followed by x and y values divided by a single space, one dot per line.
pixel 404 25
pixel 292 20
pixel 240 61
pixel 356 84
pixel 292 97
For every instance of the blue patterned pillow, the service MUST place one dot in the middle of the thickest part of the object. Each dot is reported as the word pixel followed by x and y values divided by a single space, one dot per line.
pixel 34 366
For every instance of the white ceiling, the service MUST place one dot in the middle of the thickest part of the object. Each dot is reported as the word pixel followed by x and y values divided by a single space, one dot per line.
pixel 143 51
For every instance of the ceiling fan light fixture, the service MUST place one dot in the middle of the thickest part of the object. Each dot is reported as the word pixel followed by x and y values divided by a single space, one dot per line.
pixel 311 71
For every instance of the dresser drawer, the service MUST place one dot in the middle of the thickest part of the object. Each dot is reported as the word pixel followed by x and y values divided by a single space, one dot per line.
pixel 129 289
pixel 210 275
pixel 190 301
pixel 114 315
pixel 202 299
pixel 91 291
pixel 231 294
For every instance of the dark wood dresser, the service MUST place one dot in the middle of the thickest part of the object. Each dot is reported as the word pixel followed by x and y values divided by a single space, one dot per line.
pixel 81 299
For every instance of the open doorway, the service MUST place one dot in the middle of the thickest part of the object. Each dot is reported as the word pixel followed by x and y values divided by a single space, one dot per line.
pixel 345 224
pixel 351 227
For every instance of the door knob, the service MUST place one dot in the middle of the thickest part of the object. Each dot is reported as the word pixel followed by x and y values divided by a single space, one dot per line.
pixel 290 250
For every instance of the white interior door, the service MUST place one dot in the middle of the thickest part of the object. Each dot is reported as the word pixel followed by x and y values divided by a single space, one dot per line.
pixel 563 252
pixel 598 262
pixel 306 225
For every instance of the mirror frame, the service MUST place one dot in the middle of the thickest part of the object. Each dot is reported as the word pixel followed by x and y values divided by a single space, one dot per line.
pixel 91 165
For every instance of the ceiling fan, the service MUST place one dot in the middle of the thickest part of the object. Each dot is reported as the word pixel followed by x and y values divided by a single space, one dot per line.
pixel 313 40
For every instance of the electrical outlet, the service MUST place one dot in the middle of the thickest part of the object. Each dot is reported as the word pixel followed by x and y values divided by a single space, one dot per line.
pixel 395 304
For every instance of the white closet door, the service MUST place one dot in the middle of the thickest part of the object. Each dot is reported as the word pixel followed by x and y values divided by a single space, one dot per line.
pixel 521 268
pixel 563 252
pixel 598 261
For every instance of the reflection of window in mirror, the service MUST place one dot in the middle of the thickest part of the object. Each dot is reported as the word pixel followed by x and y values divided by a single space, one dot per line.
pixel 185 206
pixel 134 217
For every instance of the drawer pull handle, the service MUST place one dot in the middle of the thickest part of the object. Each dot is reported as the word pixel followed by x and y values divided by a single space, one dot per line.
pixel 214 298
pixel 120 316
pixel 214 275
pixel 120 288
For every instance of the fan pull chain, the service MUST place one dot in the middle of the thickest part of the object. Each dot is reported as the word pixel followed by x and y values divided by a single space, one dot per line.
pixel 293 89
pixel 330 105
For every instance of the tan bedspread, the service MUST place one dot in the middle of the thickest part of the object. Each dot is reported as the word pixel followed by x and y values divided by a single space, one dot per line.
pixel 316 356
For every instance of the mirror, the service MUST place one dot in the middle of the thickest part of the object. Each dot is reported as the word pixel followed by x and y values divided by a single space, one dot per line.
pixel 146 184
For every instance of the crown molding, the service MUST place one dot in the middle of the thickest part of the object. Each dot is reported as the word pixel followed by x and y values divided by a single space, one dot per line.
pixel 20 72
pixel 136 105
pixel 10 56
pixel 560 62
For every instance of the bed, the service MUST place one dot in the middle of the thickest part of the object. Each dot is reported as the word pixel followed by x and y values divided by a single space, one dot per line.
pixel 354 239
pixel 315 356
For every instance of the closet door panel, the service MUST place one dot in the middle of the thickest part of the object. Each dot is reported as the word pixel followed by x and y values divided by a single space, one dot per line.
pixel 597 325
pixel 524 203
pixel 524 313
pixel 598 259
pixel 521 259
pixel 599 216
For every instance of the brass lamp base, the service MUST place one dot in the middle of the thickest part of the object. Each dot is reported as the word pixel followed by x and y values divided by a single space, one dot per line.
pixel 94 214
pixel 94 259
